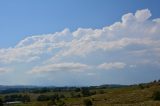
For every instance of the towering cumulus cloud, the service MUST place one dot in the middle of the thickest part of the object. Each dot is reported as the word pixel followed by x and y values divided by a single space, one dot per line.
pixel 132 41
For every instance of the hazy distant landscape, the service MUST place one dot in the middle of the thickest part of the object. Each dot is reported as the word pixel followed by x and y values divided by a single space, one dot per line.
pixel 146 94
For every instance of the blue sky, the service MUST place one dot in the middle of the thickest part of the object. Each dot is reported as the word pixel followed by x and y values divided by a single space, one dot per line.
pixel 21 18
pixel 79 42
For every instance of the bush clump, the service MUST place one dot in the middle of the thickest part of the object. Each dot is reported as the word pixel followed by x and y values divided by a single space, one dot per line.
pixel 156 95
pixel 87 102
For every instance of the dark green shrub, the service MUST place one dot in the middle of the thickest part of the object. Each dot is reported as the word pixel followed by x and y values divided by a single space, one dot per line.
pixel 26 98
pixel 141 86
pixel 15 97
pixel 85 92
pixel 77 90
pixel 101 92
pixel 156 95
pixel 60 103
pixel 87 102
pixel 61 96
pixel 1 102
pixel 51 103
pixel 43 98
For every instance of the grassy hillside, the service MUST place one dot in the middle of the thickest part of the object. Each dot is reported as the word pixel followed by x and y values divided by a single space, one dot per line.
pixel 135 95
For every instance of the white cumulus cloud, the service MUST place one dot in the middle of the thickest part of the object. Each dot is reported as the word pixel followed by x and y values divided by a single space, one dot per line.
pixel 135 37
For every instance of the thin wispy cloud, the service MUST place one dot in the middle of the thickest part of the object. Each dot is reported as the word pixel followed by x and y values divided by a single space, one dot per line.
pixel 60 67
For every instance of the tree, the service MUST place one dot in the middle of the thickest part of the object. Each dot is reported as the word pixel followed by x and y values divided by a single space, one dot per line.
pixel 87 102
pixel 154 81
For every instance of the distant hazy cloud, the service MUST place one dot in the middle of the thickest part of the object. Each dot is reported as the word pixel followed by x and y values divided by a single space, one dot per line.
pixel 3 70
pixel 114 65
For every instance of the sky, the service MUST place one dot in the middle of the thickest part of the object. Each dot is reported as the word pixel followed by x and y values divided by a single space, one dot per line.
pixel 79 42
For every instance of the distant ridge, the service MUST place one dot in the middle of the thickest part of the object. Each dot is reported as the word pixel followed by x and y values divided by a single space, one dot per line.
pixel 5 87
